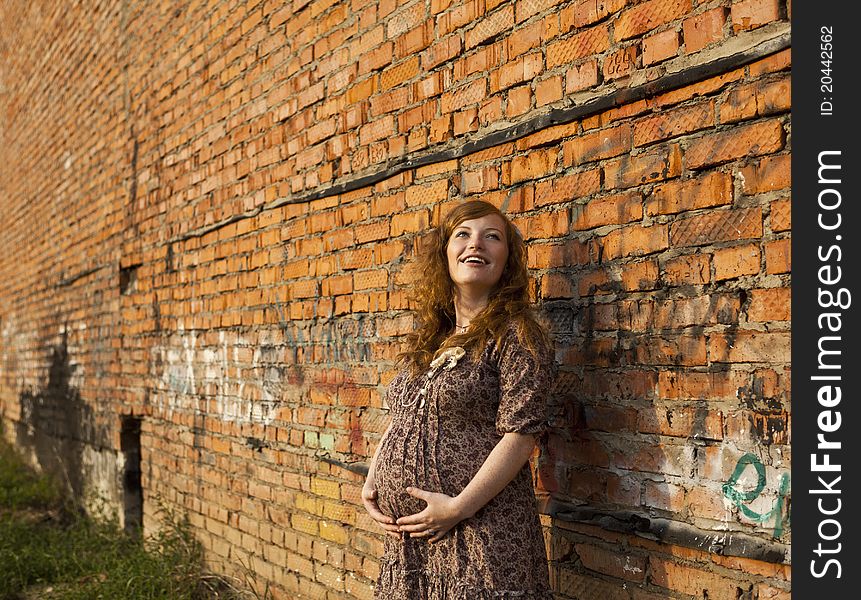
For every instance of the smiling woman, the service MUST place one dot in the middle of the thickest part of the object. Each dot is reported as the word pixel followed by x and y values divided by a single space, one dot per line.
pixel 450 482
pixel 477 253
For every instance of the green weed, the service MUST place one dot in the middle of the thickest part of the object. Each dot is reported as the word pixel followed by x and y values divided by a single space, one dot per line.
pixel 49 550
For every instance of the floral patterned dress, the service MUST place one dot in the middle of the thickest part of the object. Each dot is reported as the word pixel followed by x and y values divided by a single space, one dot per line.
pixel 438 440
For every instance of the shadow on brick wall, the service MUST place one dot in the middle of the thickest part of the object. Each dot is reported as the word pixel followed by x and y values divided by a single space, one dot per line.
pixel 56 424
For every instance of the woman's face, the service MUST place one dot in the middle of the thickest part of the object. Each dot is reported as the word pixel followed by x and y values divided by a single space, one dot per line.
pixel 477 252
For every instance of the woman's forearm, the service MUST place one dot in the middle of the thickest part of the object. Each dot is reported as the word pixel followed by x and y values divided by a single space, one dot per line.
pixel 499 468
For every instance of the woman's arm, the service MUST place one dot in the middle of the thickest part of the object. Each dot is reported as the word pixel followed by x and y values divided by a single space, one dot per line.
pixel 444 512
pixel 369 494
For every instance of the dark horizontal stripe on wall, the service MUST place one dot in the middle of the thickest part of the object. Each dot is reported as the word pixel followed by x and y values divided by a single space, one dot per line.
pixel 724 543
pixel 556 116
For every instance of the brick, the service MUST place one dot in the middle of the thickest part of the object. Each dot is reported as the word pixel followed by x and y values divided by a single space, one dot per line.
pixel 700 88
pixel 544 225
pixel 768 592
pixel 535 164
pixel 340 284
pixel 712 189
pixel 465 121
pixel 588 12
pixel 377 130
pixel 440 52
pixel 581 77
pixel 778 257
pixel 635 240
pixel 604 143
pixel 649 15
pixel 458 17
pixel 584 44
pixel 596 282
pixel 428 87
pixel 525 68
pixel 706 309
pixel 479 180
pixel 664 496
pixel 568 188
pixel 612 210
pixel 717 226
pixel 756 139
pixel 557 285
pixel 489 154
pixel 707 503
pixel 471 93
pixel 530 8
pixel 762 98
pixel 427 194
pixel 781 215
pixel 525 39
pixel 548 91
pixel 780 61
pixel 372 231
pixel 682 421
pixel 640 276
pixel 693 385
pixel 405 20
pixel 689 580
pixel 704 29
pixel 624 565
pixel 398 74
pixel 410 118
pixel 414 41
pixel 648 458
pixel 745 346
pixel 490 26
pixel 582 585
pixel 519 101
pixel 483 59
pixel 768 174
pixel 750 14
pixel 672 123
pixel 409 222
pixel 773 97
pixel 773 304
pixel 634 170
pixel 659 47
pixel 730 263
pixel 441 129
pixel 620 63
pixel 676 350
pixel 571 253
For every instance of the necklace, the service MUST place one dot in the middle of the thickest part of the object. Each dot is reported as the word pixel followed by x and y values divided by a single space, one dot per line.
pixel 461 327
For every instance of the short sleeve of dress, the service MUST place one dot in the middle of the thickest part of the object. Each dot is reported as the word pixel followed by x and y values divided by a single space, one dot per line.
pixel 524 381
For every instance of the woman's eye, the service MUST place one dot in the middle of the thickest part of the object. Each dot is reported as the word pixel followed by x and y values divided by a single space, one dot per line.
pixel 494 236
pixel 460 234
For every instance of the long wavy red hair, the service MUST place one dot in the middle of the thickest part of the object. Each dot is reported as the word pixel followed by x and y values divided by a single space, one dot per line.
pixel 433 295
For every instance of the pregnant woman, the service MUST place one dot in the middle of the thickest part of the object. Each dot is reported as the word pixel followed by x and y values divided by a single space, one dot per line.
pixel 450 482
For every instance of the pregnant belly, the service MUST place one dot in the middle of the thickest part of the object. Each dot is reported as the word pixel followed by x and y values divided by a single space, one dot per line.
pixel 405 461
pixel 397 470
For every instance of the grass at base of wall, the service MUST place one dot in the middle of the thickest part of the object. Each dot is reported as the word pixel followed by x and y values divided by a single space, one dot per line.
pixel 50 550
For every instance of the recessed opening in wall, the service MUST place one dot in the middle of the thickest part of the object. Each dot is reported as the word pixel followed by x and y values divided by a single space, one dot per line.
pixel 130 446
pixel 128 277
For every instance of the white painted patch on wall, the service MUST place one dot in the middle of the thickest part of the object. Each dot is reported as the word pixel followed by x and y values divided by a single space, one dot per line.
pixel 245 385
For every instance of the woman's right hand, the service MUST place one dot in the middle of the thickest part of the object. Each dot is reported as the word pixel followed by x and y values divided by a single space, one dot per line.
pixel 369 499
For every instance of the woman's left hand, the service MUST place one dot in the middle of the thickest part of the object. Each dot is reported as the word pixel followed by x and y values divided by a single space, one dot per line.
pixel 441 514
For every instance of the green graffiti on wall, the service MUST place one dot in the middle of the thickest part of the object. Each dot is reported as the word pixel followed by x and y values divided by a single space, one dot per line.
pixel 741 498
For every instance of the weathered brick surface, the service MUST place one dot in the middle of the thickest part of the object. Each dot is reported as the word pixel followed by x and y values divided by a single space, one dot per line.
pixel 157 260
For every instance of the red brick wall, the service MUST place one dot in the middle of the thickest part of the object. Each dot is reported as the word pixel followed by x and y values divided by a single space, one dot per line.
pixel 207 216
